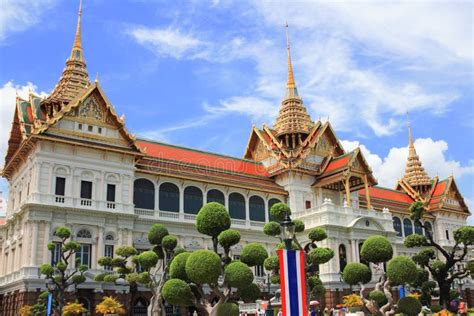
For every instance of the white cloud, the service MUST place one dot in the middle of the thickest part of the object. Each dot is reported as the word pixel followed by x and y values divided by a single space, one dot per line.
pixel 18 15
pixel 168 42
pixel 433 155
pixel 255 108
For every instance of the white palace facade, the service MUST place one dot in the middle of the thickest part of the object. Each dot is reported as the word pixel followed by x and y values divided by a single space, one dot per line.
pixel 71 161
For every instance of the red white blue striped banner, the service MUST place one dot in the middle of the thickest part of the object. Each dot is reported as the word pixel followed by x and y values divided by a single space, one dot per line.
pixel 292 282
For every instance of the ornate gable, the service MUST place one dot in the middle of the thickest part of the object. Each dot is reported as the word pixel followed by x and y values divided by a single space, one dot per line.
pixel 448 198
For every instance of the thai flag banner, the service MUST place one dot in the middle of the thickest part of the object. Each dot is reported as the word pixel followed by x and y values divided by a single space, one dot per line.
pixel 292 282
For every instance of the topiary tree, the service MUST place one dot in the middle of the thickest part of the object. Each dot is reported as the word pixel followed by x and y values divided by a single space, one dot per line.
pixel 409 306
pixel 67 272
pixel 228 280
pixel 441 271
pixel 314 255
pixel 125 264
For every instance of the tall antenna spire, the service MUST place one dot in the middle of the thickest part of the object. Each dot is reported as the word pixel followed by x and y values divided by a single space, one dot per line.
pixel 291 79
pixel 410 139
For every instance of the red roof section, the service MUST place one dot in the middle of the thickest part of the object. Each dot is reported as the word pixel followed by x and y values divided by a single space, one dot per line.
pixel 439 189
pixel 196 157
pixel 387 194
pixel 337 163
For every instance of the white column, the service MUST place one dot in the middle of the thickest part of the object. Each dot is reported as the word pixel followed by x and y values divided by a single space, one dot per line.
pixel 247 209
pixel 47 234
pixel 100 242
pixel 34 243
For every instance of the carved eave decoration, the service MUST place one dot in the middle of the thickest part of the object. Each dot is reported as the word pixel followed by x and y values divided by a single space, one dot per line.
pixel 451 192
pixel 403 184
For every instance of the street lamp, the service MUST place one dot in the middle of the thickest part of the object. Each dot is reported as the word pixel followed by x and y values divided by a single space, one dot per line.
pixel 269 311
pixel 287 231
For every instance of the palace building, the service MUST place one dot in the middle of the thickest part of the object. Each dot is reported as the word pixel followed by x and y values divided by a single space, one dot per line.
pixel 72 161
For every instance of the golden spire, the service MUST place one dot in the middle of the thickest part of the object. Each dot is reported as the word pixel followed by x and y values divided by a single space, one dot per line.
pixel 74 78
pixel 415 174
pixel 293 122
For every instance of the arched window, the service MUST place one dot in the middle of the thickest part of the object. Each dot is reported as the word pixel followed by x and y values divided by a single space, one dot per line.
pixel 397 225
pixel 169 197
pixel 342 257
pixel 192 200
pixel 144 194
pixel 418 228
pixel 257 209
pixel 407 227
pixel 215 196
pixel 272 202
pixel 84 233
pixel 428 229
pixel 109 237
pixel 237 206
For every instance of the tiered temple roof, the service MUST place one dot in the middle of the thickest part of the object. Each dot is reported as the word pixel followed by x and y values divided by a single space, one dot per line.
pixel 415 174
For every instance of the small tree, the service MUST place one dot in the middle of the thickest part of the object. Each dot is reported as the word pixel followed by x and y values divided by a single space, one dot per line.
pixel 67 273
pixel 227 280
pixel 400 270
pixel 124 264
pixel 314 255
pixel 441 270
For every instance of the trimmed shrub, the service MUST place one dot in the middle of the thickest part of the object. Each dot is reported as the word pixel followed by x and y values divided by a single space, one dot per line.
pixel 178 266
pixel 253 254
pixel 62 232
pixel 238 274
pixel 355 273
pixel 272 263
pixel 409 306
pixel 416 210
pixel 228 309
pixel 317 234
pixel 279 210
pixel 275 279
pixel 212 219
pixel 379 297
pixel 470 268
pixel 415 240
pixel 464 235
pixel 157 233
pixel 169 242
pixel 318 291
pixel 148 259
pixel 177 292
pixel 179 250
pixel 376 249
pixel 401 270
pixel 424 256
pixel 321 255
pixel 250 293
pixel 272 229
pixel 46 269
pixel 203 266
pixel 299 225
pixel 126 251
pixel 314 280
pixel 228 238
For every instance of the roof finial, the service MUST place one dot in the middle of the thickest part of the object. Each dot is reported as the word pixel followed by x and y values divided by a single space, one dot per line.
pixel 291 79
pixel 77 39
pixel 410 139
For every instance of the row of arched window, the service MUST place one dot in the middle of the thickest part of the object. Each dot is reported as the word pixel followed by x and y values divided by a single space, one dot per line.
pixel 169 200
pixel 409 228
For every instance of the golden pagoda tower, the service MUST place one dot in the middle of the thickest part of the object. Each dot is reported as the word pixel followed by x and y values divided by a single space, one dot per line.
pixel 293 123
pixel 415 174
pixel 74 77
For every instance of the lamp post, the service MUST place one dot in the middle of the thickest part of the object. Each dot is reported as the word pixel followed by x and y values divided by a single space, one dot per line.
pixel 287 231
pixel 269 311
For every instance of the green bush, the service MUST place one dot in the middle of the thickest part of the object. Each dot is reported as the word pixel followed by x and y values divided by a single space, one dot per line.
pixel 272 263
pixel 401 270
pixel 228 238
pixel 238 274
pixel 294 246
pixel 321 255
pixel 105 261
pixel 318 291
pixel 46 269
pixel 179 250
pixel 177 292
pixel 169 242
pixel 212 219
pixel 148 259
pixel 355 273
pixel 71 246
pixel 376 249
pixel 253 254
pixel 99 277
pixel 157 233
pixel 464 235
pixel 317 234
pixel 203 266
pixel 110 278
pixel 63 232
pixel 228 309
pixel 416 210
pixel 250 293
pixel 159 252
pixel 424 256
pixel 378 297
pixel 470 268
pixel 415 240
pixel 438 265
pixel 126 251
pixel 178 266
pixel 409 306
pixel 272 229
pixel 314 280
pixel 275 279
pixel 78 279
pixel 299 226
pixel 278 211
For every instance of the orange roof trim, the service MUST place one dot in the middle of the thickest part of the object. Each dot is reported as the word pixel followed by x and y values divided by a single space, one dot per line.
pixel 196 157
pixel 338 163
pixel 387 194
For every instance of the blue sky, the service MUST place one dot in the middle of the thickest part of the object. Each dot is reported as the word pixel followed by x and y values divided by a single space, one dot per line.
pixel 200 73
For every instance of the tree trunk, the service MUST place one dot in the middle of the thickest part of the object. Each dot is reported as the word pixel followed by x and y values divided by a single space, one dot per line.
pixel 388 295
pixel 215 307
pixel 444 293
